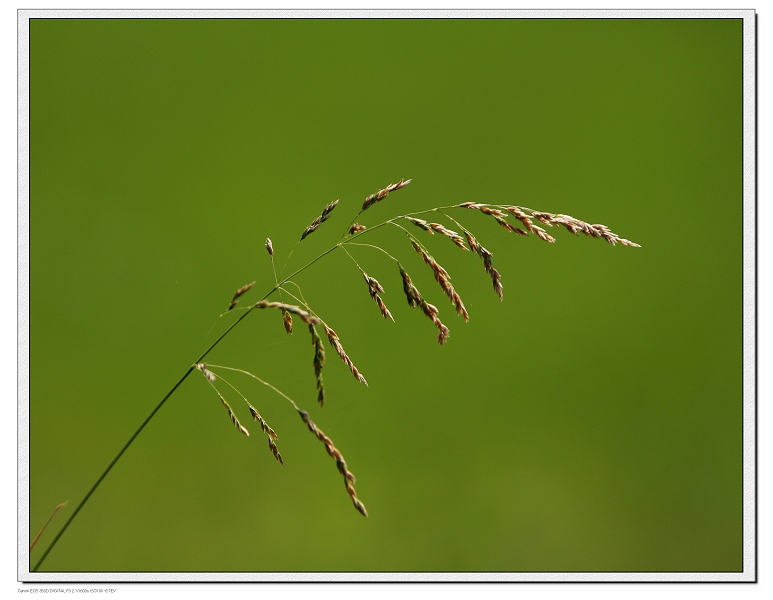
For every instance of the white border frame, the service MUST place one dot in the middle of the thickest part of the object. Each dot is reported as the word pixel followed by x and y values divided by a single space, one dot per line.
pixel 749 573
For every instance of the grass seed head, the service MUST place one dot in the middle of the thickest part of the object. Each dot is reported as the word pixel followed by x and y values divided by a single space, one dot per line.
pixel 336 343
pixel 348 476
pixel 240 292
pixel 374 288
pixel 381 194
pixel 320 219
pixel 319 362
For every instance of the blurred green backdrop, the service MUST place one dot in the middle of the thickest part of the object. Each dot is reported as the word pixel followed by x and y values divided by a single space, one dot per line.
pixel 590 422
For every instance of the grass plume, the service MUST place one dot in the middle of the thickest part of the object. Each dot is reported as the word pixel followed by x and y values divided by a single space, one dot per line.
pixel 517 219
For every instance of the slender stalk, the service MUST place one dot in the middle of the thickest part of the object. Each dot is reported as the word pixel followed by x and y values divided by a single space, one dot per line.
pixel 160 404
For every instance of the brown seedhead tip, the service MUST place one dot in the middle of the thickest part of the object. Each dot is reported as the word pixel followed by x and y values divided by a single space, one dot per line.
pixel 488 264
pixel 336 343
pixel 319 362
pixel 576 226
pixel 381 194
pixel 240 292
pixel 269 247
pixel 232 415
pixel 320 219
pixel 340 462
pixel 374 288
pixel 356 228
pixel 275 451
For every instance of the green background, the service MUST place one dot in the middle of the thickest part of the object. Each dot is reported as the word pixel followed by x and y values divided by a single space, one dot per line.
pixel 590 422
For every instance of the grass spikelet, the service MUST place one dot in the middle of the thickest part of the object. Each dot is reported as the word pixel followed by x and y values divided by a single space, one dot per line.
pixel 356 228
pixel 320 219
pixel 449 233
pixel 484 208
pixel 509 226
pixel 239 293
pixel 488 264
pixel 348 476
pixel 374 287
pixel 319 362
pixel 269 247
pixel 287 319
pixel 231 414
pixel 443 279
pixel 415 299
pixel 473 243
pixel 411 293
pixel 291 308
pixel 381 194
pixel 421 224
pixel 270 434
pixel 336 343
pixel 275 451
pixel 529 225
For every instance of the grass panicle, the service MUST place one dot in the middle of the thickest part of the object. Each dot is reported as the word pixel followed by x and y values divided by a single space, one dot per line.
pixel 517 219
pixel 319 220
pixel 349 479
